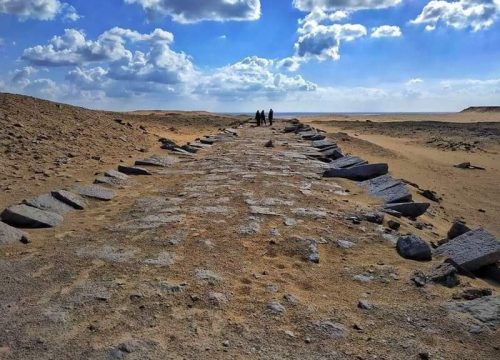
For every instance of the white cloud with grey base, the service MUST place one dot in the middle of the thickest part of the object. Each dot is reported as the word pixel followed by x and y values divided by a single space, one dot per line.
pixel 386 31
pixel 329 5
pixel 38 9
pixel 192 11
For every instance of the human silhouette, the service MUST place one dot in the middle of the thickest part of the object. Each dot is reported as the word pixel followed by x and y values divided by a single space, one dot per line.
pixel 257 117
pixel 271 117
pixel 263 117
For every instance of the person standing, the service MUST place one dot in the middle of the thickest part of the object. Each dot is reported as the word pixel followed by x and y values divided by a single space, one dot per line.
pixel 271 117
pixel 257 117
pixel 263 117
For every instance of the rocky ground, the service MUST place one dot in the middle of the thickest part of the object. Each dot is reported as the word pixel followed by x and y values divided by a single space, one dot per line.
pixel 240 251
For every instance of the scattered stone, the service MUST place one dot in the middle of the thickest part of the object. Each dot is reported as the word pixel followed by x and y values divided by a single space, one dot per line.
pixel 444 274
pixel 133 170
pixel 274 232
pixel 163 259
pixel 414 248
pixel 347 161
pixel 394 225
pixel 95 192
pixel 358 172
pixel 290 221
pixel 472 294
pixel 408 209
pixel 330 329
pixel 217 299
pixel 275 308
pixel 106 180
pixel 72 199
pixel 173 288
pixel 323 144
pixel 363 278
pixel 269 144
pixel 467 165
pixel 485 309
pixel 208 276
pixel 312 252
pixel 48 202
pixel 260 210
pixel 472 250
pixel 310 213
pixel 365 305
pixel 11 235
pixel 458 228
pixel 156 160
pixel 30 217
pixel 395 194
pixel 419 278
pixel 117 175
pixel 291 299
pixel 431 195
pixel 373 217
pixel 344 244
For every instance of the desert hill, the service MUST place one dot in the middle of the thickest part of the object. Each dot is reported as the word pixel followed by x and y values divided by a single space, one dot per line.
pixel 482 109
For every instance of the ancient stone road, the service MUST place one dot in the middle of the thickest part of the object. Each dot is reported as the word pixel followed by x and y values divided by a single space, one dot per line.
pixel 240 251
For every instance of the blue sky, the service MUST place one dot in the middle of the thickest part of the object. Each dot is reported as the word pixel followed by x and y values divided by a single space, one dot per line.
pixel 238 55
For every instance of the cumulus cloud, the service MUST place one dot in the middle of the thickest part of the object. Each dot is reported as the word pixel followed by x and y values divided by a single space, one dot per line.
pixel 191 11
pixel 38 9
pixel 386 31
pixel 329 5
pixel 21 76
pixel 252 77
pixel 414 81
pixel 474 14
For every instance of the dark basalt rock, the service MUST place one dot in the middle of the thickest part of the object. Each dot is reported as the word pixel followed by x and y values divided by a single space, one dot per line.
pixel 472 250
pixel 373 217
pixel 458 228
pixel 333 153
pixel 361 172
pixel 30 217
pixel 396 194
pixel 323 143
pixel 71 199
pixel 49 203
pixel 133 170
pixel 95 192
pixel 317 137
pixel 414 248
pixel 208 141
pixel 347 161
pixel 190 149
pixel 11 235
pixel 408 209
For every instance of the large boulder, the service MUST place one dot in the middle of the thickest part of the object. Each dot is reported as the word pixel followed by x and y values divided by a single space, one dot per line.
pixel 11 235
pixel 49 203
pixel 472 250
pixel 95 192
pixel 71 199
pixel 414 248
pixel 361 172
pixel 408 209
pixel 30 217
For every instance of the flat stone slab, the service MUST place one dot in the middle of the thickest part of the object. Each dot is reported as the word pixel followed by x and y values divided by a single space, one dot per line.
pixel 408 209
pixel 485 309
pixel 322 143
pixel 361 172
pixel 11 235
pixel 49 203
pixel 396 194
pixel 133 170
pixel 318 137
pixel 379 183
pixel 117 175
pixel 156 160
pixel 208 141
pixel 347 161
pixel 30 217
pixel 106 180
pixel 95 192
pixel 472 250
pixel 71 199
pixel 333 153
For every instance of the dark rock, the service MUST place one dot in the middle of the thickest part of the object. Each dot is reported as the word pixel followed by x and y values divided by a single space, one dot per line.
pixel 347 161
pixel 408 209
pixel 444 274
pixel 485 309
pixel 414 248
pixel 11 235
pixel 467 165
pixel 269 144
pixel 49 203
pixel 30 217
pixel 317 137
pixel 395 194
pixel 379 183
pixel 419 278
pixel 374 217
pixel 431 195
pixel 156 160
pixel 333 153
pixel 109 181
pixel 190 149
pixel 133 170
pixel 392 212
pixel 472 250
pixel 167 144
pixel 472 294
pixel 208 140
pixel 394 225
pixel 359 172
pixel 95 192
pixel 116 174
pixel 329 329
pixel 275 308
pixel 365 305
pixel 71 199
pixel 458 228
pixel 312 252
pixel 322 143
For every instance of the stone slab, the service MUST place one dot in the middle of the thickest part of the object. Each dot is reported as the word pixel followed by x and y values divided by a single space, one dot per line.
pixel 71 199
pixel 156 160
pixel 116 174
pixel 30 217
pixel 361 172
pixel 95 192
pixel 49 203
pixel 472 250
pixel 396 194
pixel 408 209
pixel 347 161
pixel 379 183
pixel 322 143
pixel 11 235
pixel 133 170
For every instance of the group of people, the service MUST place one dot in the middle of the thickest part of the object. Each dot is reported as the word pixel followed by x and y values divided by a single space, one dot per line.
pixel 260 117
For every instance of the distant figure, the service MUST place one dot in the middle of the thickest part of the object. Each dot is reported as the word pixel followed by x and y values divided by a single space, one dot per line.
pixel 257 117
pixel 263 117
pixel 271 117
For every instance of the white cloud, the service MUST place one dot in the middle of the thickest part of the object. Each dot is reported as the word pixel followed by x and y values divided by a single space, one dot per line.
pixel 474 14
pixel 191 11
pixel 21 76
pixel 329 5
pixel 414 81
pixel 291 63
pixel 252 77
pixel 386 31
pixel 70 13
pixel 38 9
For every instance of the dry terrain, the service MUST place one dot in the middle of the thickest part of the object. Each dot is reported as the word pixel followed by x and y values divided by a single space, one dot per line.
pixel 240 251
